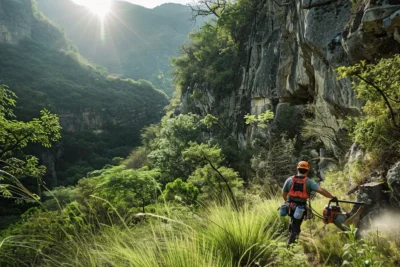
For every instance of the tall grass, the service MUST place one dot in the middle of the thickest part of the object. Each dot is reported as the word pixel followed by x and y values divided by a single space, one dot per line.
pixel 218 237
pixel 254 235
pixel 246 236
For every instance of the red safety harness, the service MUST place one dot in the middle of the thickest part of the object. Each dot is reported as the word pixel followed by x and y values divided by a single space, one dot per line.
pixel 298 188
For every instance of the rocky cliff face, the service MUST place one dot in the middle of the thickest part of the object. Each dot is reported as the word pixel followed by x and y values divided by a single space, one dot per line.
pixel 15 20
pixel 292 53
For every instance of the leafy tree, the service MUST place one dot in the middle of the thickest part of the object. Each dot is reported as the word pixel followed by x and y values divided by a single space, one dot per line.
pixel 215 180
pixel 16 135
pixel 173 139
pixel 211 57
pixel 378 85
pixel 123 187
pixel 181 191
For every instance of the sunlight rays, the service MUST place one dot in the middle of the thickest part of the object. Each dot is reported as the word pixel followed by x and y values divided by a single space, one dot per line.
pixel 100 8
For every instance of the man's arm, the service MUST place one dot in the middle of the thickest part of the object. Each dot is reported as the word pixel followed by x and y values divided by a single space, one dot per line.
pixel 324 193
pixel 285 190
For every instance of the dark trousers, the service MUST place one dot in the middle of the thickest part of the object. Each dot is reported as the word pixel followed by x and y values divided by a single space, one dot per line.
pixel 295 224
pixel 294 229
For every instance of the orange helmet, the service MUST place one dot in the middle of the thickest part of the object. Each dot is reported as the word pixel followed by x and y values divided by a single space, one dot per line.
pixel 303 165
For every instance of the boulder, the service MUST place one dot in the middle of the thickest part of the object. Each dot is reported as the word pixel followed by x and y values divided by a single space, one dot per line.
pixel 377 201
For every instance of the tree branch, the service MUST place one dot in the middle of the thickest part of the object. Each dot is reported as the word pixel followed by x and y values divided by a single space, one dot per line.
pixel 384 97
pixel 212 10
pixel 226 182
pixel 18 141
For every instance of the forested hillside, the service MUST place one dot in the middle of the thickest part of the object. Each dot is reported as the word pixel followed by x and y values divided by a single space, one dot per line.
pixel 263 86
pixel 101 115
pixel 132 41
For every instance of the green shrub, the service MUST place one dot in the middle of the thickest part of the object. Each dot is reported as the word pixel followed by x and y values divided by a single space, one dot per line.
pixel 181 192
pixel 376 84
pixel 246 236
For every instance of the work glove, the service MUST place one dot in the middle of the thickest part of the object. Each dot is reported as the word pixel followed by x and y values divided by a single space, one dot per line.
pixel 334 199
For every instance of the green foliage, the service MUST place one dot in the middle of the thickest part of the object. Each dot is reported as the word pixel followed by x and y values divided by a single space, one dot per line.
pixel 260 120
pixel 216 182
pixel 100 113
pixel 336 182
pixel 123 188
pixel 59 197
pixel 238 18
pixel 171 141
pixel 376 84
pixel 137 158
pixel 15 136
pixel 359 254
pixel 247 237
pixel 181 191
pixel 233 239
pixel 211 58
pixel 294 256
pixel 34 240
pixel 210 120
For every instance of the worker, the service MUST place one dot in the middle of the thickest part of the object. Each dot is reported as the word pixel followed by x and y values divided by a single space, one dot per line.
pixel 296 191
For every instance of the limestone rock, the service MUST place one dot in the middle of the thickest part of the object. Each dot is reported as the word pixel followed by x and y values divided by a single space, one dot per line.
pixel 326 163
pixel 393 179
pixel 375 196
pixel 324 23
pixel 356 153
pixel 372 34
pixel 306 4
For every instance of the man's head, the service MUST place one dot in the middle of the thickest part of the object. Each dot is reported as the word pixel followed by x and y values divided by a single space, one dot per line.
pixel 303 167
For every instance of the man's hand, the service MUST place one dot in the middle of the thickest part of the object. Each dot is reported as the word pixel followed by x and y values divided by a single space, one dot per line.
pixel 334 199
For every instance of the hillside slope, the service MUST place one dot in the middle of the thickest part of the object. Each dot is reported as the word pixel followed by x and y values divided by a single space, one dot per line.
pixel 134 41
pixel 101 115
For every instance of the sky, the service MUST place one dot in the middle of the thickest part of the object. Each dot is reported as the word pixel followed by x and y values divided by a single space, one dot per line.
pixel 154 3
pixel 146 3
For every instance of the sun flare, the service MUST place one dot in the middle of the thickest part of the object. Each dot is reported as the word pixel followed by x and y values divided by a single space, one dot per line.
pixel 99 7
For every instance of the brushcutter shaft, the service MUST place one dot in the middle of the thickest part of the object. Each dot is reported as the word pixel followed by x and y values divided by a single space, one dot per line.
pixel 346 201
pixel 351 202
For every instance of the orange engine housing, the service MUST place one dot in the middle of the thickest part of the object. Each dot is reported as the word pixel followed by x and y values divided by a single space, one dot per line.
pixel 330 213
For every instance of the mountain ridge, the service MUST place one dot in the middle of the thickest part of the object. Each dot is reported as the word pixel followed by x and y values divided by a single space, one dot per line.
pixel 134 41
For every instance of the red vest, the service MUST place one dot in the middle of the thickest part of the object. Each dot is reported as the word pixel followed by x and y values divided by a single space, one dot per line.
pixel 298 188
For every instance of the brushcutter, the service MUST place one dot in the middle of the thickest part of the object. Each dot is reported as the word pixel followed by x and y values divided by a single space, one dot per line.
pixel 334 214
